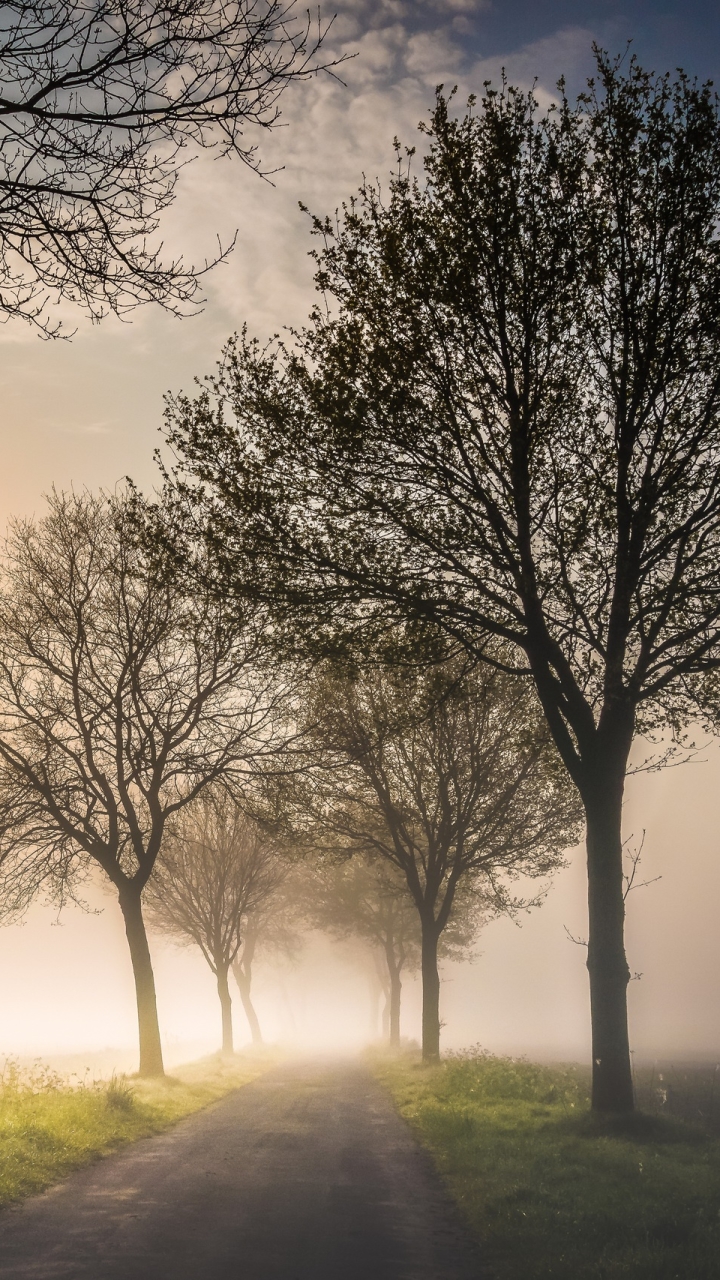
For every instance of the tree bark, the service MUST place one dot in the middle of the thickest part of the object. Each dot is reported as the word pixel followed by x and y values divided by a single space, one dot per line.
pixel 385 1020
pixel 151 1060
pixel 430 993
pixel 243 981
pixel 226 1007
pixel 612 1086
pixel 394 969
pixel 395 996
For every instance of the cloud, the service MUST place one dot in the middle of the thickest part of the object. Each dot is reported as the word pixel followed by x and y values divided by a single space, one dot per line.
pixel 335 135
pixel 566 53
pixel 332 135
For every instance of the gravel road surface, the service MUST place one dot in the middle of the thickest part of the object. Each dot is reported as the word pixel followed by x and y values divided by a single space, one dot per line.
pixel 305 1174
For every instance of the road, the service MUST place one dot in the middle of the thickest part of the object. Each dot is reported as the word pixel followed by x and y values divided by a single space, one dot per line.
pixel 305 1174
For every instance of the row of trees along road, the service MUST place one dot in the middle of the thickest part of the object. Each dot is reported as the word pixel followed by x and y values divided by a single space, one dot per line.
pixel 503 419
pixel 152 733
pixel 123 695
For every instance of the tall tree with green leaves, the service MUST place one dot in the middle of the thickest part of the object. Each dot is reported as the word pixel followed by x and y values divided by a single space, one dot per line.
pixel 504 418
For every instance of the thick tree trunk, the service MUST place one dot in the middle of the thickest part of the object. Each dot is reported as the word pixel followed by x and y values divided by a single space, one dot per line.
pixel 151 1061
pixel 612 1087
pixel 226 1007
pixel 243 981
pixel 430 993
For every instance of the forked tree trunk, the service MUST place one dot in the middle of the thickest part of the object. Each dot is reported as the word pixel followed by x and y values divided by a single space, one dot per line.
pixel 244 981
pixel 226 1007
pixel 151 1060
pixel 430 993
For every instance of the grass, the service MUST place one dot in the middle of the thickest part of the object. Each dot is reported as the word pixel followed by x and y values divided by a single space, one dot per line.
pixel 554 1192
pixel 49 1126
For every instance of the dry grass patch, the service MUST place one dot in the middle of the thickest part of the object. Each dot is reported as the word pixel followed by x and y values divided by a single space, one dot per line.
pixel 50 1126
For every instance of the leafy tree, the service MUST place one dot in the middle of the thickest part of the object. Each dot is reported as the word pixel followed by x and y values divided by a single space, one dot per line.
pixel 446 774
pixel 122 698
pixel 368 898
pixel 215 873
pixel 102 105
pixel 506 421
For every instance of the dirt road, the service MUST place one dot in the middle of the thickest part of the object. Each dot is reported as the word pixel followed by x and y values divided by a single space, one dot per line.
pixel 306 1174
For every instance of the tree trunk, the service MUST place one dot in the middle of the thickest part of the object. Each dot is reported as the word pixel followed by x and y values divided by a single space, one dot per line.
pixel 243 981
pixel 430 993
pixel 376 989
pixel 612 1087
pixel 395 995
pixel 394 964
pixel 151 1061
pixel 385 1020
pixel 226 1007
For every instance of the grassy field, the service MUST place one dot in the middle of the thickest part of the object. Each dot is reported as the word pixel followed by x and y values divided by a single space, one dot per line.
pixel 49 1126
pixel 550 1190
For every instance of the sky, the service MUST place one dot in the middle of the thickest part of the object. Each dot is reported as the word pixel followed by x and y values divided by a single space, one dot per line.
pixel 88 412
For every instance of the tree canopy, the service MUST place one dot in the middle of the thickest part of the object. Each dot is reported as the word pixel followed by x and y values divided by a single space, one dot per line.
pixel 504 419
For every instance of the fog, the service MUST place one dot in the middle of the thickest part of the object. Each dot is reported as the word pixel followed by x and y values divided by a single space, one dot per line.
pixel 88 412
pixel 68 987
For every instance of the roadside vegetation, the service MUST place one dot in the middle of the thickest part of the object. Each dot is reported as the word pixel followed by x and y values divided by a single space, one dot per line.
pixel 550 1188
pixel 50 1125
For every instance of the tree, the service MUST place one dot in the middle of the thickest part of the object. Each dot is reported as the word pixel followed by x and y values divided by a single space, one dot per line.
pixel 506 422
pixel 367 899
pixel 270 930
pixel 448 775
pixel 122 698
pixel 102 105
pixel 215 872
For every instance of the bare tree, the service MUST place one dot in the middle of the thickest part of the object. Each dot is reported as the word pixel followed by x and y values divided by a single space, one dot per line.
pixel 101 106
pixel 215 872
pixel 271 931
pixel 368 899
pixel 447 774
pixel 121 699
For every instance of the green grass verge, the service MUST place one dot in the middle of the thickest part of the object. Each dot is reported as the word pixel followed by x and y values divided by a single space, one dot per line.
pixel 48 1128
pixel 552 1191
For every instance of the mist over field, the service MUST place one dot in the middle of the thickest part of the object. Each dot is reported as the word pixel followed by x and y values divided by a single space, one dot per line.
pixel 70 990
